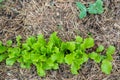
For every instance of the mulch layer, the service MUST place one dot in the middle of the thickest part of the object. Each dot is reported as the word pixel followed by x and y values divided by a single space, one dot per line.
pixel 32 17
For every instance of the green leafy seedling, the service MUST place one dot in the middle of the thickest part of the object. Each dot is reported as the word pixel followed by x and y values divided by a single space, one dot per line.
pixel 100 48
pixel 83 10
pixel 96 8
pixel 106 66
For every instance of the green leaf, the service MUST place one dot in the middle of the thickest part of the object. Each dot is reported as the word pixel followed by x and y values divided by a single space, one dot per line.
pixel 1 1
pixel 106 66
pixel 71 46
pixel 110 50
pixel 40 71
pixel 25 65
pixel 96 57
pixel 87 43
pixel 96 8
pixel 2 49
pixel 34 57
pixel 100 48
pixel 79 39
pixel 55 39
pixel 74 68
pixel 109 57
pixel 41 40
pixel 3 57
pixel 83 10
pixel 69 58
pixel 30 41
pixel 56 66
pixel 63 46
pixel 10 61
pixel 9 43
pixel 18 39
pixel 60 58
pixel 14 52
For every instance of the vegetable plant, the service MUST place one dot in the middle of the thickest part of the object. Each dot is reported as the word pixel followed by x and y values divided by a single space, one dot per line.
pixel 47 54
pixel 93 8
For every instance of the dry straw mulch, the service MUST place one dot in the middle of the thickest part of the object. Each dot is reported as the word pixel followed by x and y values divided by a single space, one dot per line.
pixel 32 17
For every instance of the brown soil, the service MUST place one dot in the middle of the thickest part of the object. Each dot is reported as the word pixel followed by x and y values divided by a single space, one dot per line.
pixel 32 17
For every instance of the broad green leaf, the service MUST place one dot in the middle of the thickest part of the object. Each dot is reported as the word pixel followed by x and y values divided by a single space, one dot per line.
pixel 31 40
pixel 2 49
pixel 60 58
pixel 14 52
pixel 26 56
pixel 54 57
pixel 79 39
pixel 96 8
pixel 74 68
pixel 50 47
pixel 50 62
pixel 69 58
pixel 25 46
pixel 83 10
pixel 34 57
pixel 55 39
pixel 71 46
pixel 106 66
pixel 3 57
pixel 109 57
pixel 18 39
pixel 0 43
pixel 1 1
pixel 40 71
pixel 100 48
pixel 10 61
pixel 56 66
pixel 87 43
pixel 25 65
pixel 41 40
pixel 46 66
pixel 63 46
pixel 84 57
pixel 42 58
pixel 9 42
pixel 110 50
pixel 96 57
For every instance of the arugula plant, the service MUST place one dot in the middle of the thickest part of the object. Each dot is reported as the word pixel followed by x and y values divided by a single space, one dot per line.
pixel 94 8
pixel 49 54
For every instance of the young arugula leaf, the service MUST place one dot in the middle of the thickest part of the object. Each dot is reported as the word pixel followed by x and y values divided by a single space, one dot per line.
pixel 71 46
pixel 18 39
pixel 100 48
pixel 55 39
pixel 96 57
pixel 83 10
pixel 74 68
pixel 106 66
pixel 41 72
pixel 110 50
pixel 79 39
pixel 109 57
pixel 9 43
pixel 87 43
pixel 2 48
pixel 1 1
pixel 96 8
pixel 69 58
pixel 10 61
pixel 41 40
pixel 3 57
pixel 30 41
